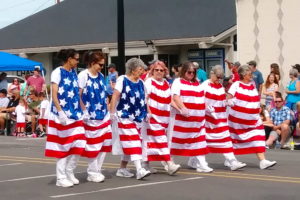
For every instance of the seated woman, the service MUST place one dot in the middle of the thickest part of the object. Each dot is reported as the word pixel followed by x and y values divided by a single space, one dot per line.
pixel 265 118
pixel 14 86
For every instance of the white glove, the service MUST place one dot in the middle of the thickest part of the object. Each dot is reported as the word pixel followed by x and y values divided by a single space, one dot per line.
pixel 231 102
pixel 62 117
pixel 184 112
pixel 210 109
pixel 86 115
pixel 113 116
pixel 149 115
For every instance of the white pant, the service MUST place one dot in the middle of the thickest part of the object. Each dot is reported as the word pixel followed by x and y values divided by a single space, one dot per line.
pixel 95 164
pixel 66 166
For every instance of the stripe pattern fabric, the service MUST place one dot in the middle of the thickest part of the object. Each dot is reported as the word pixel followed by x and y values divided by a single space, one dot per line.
pixel 159 100
pixel 246 129
pixel 98 137
pixel 188 137
pixel 216 125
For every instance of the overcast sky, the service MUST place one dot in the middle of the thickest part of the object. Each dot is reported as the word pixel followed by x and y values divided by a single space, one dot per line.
pixel 14 10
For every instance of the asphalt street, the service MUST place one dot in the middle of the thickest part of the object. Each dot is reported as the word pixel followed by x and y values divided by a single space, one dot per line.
pixel 26 174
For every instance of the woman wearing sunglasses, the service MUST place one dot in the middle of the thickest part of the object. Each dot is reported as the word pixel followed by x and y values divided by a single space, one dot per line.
pixel 216 126
pixel 158 117
pixel 245 125
pixel 65 138
pixel 96 118
pixel 188 132
pixel 15 85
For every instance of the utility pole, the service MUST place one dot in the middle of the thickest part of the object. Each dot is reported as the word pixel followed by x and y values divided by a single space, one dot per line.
pixel 121 38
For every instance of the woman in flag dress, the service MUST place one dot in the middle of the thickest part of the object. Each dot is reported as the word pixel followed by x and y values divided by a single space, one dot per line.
pixel 65 138
pixel 245 126
pixel 188 132
pixel 96 117
pixel 128 109
pixel 217 132
pixel 158 118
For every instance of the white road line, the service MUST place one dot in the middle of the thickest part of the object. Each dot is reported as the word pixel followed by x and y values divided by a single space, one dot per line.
pixel 10 164
pixel 32 177
pixel 124 187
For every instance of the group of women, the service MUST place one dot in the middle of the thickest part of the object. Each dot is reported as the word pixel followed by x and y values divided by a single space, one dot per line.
pixel 149 121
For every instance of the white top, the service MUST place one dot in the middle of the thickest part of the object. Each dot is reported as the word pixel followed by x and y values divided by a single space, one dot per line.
pixel 176 85
pixel 44 105
pixel 55 76
pixel 20 112
pixel 83 78
pixel 4 102
pixel 119 83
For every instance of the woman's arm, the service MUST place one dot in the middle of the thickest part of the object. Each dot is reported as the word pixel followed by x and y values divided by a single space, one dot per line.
pixel 178 102
pixel 81 102
pixel 297 89
pixel 54 88
pixel 115 98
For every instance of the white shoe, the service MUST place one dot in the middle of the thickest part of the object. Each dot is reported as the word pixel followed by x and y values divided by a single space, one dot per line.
pixel 192 163
pixel 142 173
pixel 234 164
pixel 64 183
pixel 172 169
pixel 204 169
pixel 96 178
pixel 151 169
pixel 123 172
pixel 72 178
pixel 265 164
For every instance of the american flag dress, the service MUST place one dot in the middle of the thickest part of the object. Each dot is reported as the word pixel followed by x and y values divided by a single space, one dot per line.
pixel 65 140
pixel 246 129
pixel 131 112
pixel 188 137
pixel 97 128
pixel 216 125
pixel 159 100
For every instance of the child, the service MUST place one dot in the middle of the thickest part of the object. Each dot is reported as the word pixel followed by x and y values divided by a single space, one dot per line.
pixel 43 118
pixel 21 122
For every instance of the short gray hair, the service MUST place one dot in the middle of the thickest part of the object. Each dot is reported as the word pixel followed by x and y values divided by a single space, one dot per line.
pixel 243 70
pixel 134 63
pixel 294 72
pixel 217 70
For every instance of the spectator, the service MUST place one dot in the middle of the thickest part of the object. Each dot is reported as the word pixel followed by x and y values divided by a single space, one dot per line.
pixel 33 110
pixel 21 119
pixel 201 74
pixel 265 118
pixel 5 113
pixel 275 70
pixel 257 76
pixel 14 86
pixel 269 89
pixel 3 98
pixel 293 90
pixel 44 111
pixel 111 79
pixel 36 81
pixel 233 67
pixel 23 87
pixel 175 71
pixel 3 81
pixel 297 67
pixel 281 118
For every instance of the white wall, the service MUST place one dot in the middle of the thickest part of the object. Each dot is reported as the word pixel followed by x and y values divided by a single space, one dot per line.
pixel 268 32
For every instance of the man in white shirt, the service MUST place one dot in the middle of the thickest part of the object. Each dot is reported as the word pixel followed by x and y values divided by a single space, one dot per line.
pixel 3 98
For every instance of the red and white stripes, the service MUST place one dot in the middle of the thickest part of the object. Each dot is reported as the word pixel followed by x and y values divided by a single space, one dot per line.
pixel 65 140
pixel 159 100
pixel 217 131
pixel 98 136
pixel 188 137
pixel 246 129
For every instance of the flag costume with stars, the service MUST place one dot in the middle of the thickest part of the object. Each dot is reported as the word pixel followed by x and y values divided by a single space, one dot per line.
pixel 131 112
pixel 97 127
pixel 69 139
pixel 245 127
pixel 155 139
pixel 217 132
pixel 188 137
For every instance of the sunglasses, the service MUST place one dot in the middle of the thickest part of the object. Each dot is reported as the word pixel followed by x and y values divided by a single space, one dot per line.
pixel 100 64
pixel 277 101
pixel 219 77
pixel 190 72
pixel 159 70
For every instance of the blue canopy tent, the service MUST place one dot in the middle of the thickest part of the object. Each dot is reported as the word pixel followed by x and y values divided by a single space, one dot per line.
pixel 10 62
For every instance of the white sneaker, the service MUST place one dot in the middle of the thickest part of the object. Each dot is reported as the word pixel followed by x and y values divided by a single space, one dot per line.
pixel 64 183
pixel 234 164
pixel 172 169
pixel 151 169
pixel 192 163
pixel 204 169
pixel 72 178
pixel 123 172
pixel 96 178
pixel 142 173
pixel 265 164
